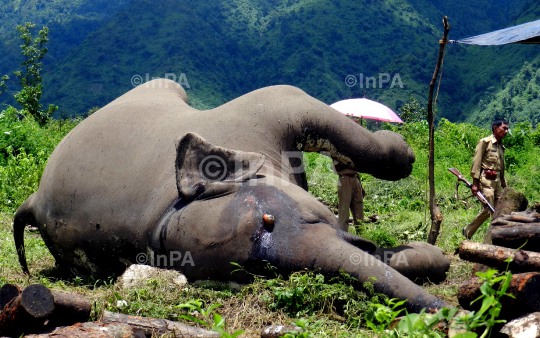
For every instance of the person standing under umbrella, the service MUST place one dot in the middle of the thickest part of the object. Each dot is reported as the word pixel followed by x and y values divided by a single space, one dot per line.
pixel 350 191
pixel 350 194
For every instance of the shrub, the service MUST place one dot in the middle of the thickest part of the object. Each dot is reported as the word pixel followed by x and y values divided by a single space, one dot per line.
pixel 19 178
pixel 309 293
pixel 24 150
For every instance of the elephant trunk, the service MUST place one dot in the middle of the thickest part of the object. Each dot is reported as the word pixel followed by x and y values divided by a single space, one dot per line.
pixel 333 254
pixel 299 122
pixel 383 154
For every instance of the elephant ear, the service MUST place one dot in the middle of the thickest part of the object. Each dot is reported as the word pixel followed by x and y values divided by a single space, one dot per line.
pixel 204 170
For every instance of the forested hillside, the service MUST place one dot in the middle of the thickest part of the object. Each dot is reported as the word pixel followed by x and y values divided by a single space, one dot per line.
pixel 223 49
pixel 516 96
pixel 229 48
pixel 69 23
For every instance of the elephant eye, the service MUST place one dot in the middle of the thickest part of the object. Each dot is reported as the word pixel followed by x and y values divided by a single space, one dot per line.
pixel 268 221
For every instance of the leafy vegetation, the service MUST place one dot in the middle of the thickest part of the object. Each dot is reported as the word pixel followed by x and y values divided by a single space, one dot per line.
pixel 486 317
pixel 333 303
pixel 384 314
pixel 24 150
pixel 27 137
pixel 30 77
pixel 310 293
pixel 212 320
pixel 412 111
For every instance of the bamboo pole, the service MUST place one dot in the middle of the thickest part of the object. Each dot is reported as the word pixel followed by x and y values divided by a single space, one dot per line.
pixel 436 216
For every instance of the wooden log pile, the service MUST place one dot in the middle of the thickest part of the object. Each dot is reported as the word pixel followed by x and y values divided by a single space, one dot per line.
pixel 510 229
pixel 517 231
pixel 37 308
pixel 38 312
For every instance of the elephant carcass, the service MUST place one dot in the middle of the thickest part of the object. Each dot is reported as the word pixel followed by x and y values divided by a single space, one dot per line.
pixel 149 178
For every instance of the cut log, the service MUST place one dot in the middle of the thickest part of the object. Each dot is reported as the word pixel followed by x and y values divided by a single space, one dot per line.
pixel 27 312
pixel 495 256
pixel 69 308
pixel 519 218
pixel 515 236
pixel 92 330
pixel 158 327
pixel 525 287
pixel 500 222
pixel 524 327
pixel 7 293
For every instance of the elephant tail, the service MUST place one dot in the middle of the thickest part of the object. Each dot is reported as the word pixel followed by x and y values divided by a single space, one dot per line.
pixel 23 217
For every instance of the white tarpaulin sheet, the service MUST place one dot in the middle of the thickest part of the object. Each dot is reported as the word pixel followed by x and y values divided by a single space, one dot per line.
pixel 525 33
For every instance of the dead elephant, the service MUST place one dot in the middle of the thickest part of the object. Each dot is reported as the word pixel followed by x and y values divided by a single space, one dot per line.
pixel 149 177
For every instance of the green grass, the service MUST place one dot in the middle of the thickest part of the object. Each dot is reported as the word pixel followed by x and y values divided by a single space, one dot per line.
pixel 402 217
pixel 248 307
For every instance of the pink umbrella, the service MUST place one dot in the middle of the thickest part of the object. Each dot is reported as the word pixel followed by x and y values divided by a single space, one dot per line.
pixel 367 109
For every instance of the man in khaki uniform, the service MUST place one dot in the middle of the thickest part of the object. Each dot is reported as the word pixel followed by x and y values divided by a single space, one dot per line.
pixel 350 195
pixel 488 172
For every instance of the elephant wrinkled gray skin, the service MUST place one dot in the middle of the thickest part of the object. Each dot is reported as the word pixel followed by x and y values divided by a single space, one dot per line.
pixel 148 176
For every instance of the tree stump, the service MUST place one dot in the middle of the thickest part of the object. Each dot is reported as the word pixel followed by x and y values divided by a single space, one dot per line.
pixel 69 308
pixel 511 200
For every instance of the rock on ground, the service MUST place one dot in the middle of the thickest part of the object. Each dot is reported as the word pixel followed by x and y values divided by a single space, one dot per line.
pixel 136 276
